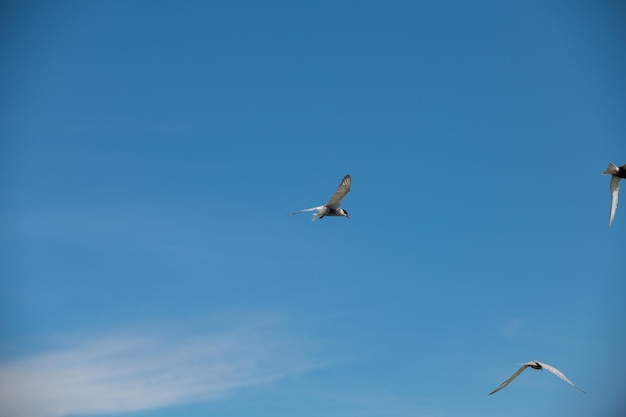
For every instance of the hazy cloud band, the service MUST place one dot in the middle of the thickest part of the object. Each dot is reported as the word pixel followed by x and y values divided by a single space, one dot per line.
pixel 129 373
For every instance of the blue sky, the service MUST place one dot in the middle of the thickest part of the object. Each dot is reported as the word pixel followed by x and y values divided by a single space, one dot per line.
pixel 151 152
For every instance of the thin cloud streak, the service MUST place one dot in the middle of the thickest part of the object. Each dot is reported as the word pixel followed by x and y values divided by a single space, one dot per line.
pixel 511 328
pixel 122 373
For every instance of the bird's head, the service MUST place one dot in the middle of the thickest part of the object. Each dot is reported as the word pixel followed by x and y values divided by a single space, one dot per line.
pixel 344 213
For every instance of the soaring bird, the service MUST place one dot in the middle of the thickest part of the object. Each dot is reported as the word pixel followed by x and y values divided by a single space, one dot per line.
pixel 617 173
pixel 536 365
pixel 332 207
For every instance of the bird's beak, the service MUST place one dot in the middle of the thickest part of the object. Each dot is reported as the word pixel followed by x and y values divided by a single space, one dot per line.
pixel 348 216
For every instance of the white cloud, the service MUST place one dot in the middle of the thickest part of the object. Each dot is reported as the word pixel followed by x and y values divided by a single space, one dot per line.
pixel 132 373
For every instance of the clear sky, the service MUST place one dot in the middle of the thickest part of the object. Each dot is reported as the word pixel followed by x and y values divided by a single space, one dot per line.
pixel 150 154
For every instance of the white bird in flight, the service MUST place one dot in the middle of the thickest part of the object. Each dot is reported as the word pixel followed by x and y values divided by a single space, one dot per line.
pixel 617 173
pixel 332 207
pixel 536 365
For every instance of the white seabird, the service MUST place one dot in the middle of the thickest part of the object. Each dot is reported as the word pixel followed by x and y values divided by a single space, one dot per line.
pixel 536 365
pixel 617 173
pixel 332 207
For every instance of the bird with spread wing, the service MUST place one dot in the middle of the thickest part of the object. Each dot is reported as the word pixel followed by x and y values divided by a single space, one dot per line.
pixel 331 208
pixel 536 365
pixel 617 173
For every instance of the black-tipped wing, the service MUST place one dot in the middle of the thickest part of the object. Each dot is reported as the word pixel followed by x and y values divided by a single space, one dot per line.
pixel 559 374
pixel 342 190
pixel 614 196
pixel 508 381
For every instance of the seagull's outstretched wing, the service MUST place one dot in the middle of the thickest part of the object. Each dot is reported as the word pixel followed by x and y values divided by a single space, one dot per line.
pixel 614 196
pixel 342 190
pixel 508 381
pixel 318 208
pixel 559 374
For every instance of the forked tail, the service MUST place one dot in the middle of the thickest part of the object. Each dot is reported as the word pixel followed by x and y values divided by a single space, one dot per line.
pixel 316 209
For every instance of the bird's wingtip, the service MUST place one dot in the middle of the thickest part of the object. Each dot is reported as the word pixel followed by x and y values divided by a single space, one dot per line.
pixel 611 169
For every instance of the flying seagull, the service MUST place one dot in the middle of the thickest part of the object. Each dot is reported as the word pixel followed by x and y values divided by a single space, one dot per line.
pixel 535 365
pixel 617 173
pixel 332 207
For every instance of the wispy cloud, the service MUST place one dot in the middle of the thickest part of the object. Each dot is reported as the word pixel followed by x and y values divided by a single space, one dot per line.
pixel 511 328
pixel 132 373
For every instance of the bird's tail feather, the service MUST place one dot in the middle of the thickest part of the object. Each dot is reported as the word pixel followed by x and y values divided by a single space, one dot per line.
pixel 305 210
pixel 611 169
